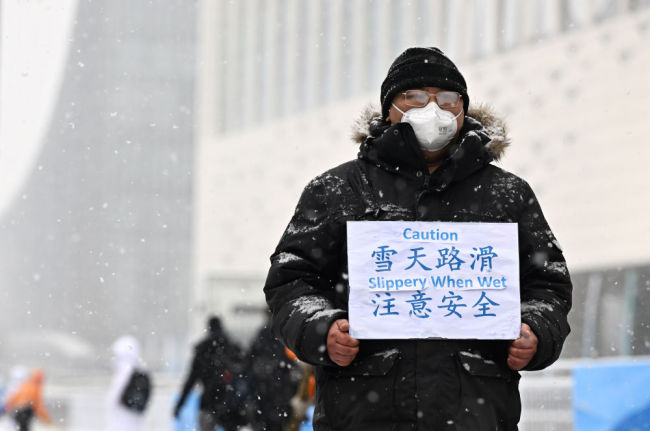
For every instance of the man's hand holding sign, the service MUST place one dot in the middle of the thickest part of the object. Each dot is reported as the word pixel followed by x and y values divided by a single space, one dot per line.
pixel 432 280
pixel 341 348
pixel 522 349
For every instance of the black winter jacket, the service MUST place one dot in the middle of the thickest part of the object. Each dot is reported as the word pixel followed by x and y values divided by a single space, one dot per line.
pixel 275 380
pixel 212 358
pixel 414 384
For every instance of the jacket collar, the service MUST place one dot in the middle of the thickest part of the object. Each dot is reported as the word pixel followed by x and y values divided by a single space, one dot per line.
pixel 395 149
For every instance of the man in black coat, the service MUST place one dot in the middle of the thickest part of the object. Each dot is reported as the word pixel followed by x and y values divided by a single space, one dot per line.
pixel 275 378
pixel 426 157
pixel 211 368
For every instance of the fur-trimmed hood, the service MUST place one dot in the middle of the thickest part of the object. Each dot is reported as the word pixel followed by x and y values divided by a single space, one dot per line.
pixel 370 124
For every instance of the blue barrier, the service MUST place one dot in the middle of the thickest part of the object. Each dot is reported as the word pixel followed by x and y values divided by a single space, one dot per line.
pixel 188 418
pixel 612 396
pixel 306 425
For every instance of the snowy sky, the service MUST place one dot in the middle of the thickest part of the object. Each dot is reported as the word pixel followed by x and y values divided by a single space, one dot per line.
pixel 33 48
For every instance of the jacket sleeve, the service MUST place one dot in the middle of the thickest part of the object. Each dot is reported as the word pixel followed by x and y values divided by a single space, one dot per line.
pixel 545 283
pixel 301 284
pixel 40 409
pixel 190 381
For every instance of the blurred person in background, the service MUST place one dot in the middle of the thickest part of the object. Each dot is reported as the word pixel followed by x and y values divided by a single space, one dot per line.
pixel 129 390
pixel 26 401
pixel 303 399
pixel 17 375
pixel 214 357
pixel 275 375
pixel 425 157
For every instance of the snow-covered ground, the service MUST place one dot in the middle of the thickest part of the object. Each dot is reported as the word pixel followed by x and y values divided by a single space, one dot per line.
pixel 79 405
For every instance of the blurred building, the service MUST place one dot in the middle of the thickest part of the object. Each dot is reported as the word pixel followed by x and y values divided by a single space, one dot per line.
pixel 97 242
pixel 281 84
pixel 265 60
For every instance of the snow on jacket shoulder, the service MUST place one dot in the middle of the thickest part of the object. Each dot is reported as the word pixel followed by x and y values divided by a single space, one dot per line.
pixel 415 384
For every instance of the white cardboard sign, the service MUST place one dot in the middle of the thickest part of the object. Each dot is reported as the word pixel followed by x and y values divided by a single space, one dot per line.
pixel 433 280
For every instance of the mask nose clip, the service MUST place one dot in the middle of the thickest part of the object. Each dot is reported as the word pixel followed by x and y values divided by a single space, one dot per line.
pixel 436 111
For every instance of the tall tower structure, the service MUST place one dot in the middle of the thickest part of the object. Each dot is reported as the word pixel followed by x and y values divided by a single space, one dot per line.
pixel 97 243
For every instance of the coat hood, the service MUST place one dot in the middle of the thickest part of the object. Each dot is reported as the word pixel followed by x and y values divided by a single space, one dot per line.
pixel 371 124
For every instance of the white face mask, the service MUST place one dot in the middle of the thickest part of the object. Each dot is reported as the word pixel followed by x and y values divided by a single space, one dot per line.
pixel 434 127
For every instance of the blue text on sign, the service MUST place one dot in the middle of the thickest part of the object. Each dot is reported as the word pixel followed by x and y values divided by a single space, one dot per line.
pixel 382 283
pixel 431 235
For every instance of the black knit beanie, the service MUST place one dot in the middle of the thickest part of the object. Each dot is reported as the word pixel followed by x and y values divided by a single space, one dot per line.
pixel 421 67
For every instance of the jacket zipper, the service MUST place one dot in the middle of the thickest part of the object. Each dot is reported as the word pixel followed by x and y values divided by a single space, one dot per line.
pixel 420 194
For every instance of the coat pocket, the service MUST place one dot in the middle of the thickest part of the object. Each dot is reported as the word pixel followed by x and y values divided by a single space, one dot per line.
pixel 489 394
pixel 360 393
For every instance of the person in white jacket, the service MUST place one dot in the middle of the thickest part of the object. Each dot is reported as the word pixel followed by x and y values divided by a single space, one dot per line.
pixel 126 358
